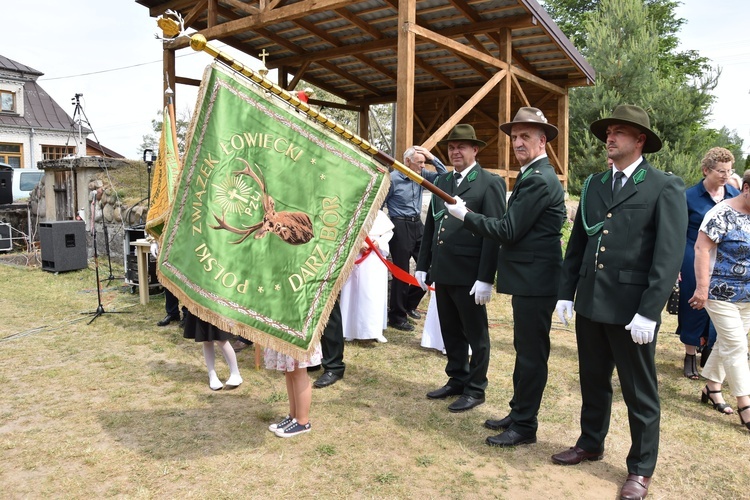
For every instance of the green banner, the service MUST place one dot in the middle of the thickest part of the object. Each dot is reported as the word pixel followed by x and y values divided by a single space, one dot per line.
pixel 269 214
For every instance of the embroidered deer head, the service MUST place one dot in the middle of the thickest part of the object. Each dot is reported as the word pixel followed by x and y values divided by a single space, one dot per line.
pixel 294 228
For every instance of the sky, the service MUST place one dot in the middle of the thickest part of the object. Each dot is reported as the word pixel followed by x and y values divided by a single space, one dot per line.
pixel 107 51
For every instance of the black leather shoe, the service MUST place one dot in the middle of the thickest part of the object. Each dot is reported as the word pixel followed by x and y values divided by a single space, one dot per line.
pixel 509 438
pixel 167 320
pixel 444 392
pixel 405 326
pixel 498 425
pixel 464 403
pixel 414 314
pixel 328 378
pixel 575 455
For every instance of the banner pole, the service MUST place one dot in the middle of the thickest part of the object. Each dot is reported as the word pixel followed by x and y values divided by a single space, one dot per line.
pixel 199 43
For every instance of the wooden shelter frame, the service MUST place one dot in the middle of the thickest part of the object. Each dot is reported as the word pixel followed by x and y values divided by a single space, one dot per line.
pixel 442 62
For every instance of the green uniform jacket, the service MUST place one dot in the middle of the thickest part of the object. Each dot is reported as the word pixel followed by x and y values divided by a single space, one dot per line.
pixel 455 255
pixel 630 265
pixel 530 257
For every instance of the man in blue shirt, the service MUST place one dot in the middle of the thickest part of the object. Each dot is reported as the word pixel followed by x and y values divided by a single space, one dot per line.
pixel 404 203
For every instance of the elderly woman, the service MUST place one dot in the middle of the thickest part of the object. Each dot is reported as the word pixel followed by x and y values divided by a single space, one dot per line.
pixel 694 325
pixel 722 271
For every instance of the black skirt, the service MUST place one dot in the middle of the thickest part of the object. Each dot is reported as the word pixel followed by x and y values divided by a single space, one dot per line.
pixel 203 331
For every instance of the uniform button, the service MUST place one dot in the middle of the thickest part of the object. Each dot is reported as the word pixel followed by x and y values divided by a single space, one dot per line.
pixel 609 215
pixel 445 217
pixel 602 249
pixel 440 242
pixel 606 231
pixel 600 266
pixel 442 229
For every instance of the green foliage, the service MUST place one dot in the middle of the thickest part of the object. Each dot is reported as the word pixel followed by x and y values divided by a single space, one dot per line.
pixel 151 141
pixel 631 44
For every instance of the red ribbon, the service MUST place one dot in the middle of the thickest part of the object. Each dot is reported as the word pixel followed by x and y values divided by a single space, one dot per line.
pixel 396 271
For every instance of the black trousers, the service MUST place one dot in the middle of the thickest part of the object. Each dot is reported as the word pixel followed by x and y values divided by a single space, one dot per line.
pixel 404 246
pixel 463 323
pixel 601 348
pixel 172 304
pixel 532 320
pixel 332 343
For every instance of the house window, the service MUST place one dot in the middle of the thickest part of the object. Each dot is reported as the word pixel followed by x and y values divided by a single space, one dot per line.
pixel 11 154
pixel 7 101
pixel 57 152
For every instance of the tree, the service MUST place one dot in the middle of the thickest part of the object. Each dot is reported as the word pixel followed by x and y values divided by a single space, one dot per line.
pixel 151 141
pixel 572 15
pixel 625 44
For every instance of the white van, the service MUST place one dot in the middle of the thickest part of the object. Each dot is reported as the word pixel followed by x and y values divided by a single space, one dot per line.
pixel 24 182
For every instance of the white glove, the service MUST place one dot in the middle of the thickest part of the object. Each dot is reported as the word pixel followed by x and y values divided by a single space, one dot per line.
pixel 458 209
pixel 155 250
pixel 641 329
pixel 421 277
pixel 564 310
pixel 482 292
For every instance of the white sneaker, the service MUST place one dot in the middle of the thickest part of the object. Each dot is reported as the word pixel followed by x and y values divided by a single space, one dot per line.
pixel 382 339
pixel 281 425
pixel 233 381
pixel 293 429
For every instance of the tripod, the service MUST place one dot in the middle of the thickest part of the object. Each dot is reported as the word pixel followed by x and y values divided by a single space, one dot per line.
pixel 109 256
pixel 100 308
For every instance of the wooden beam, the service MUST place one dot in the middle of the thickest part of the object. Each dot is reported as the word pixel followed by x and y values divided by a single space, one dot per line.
pixel 359 23
pixel 168 74
pixel 464 110
pixel 456 47
pixel 211 14
pixel 265 18
pixel 386 43
pixel 243 7
pixel 195 12
pixel 193 82
pixel 404 133
pixel 505 47
pixel 298 75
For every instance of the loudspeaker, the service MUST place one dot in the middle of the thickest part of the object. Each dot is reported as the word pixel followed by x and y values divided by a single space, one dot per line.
pixel 6 186
pixel 63 245
pixel 6 241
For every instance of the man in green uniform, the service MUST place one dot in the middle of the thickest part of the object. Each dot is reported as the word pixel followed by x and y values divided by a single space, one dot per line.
pixel 622 259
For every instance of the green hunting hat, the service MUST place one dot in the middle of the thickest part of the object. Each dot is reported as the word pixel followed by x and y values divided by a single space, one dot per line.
pixel 629 115
pixel 462 132
pixel 531 116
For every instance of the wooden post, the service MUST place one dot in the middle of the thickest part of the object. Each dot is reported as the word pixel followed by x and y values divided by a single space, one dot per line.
pixel 563 143
pixel 407 15
pixel 504 100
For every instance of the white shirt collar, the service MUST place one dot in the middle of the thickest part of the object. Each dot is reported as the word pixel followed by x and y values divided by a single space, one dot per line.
pixel 629 170
pixel 464 173
pixel 543 155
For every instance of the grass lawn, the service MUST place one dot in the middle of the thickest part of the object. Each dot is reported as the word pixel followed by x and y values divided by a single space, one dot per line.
pixel 122 408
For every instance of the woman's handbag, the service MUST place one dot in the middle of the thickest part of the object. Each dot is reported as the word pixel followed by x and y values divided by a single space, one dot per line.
pixel 673 304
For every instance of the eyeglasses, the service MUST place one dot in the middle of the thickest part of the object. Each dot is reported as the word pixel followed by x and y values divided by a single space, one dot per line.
pixel 724 173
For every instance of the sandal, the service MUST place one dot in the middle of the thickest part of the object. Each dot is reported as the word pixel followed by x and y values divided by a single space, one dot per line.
pixel 739 412
pixel 689 369
pixel 720 407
